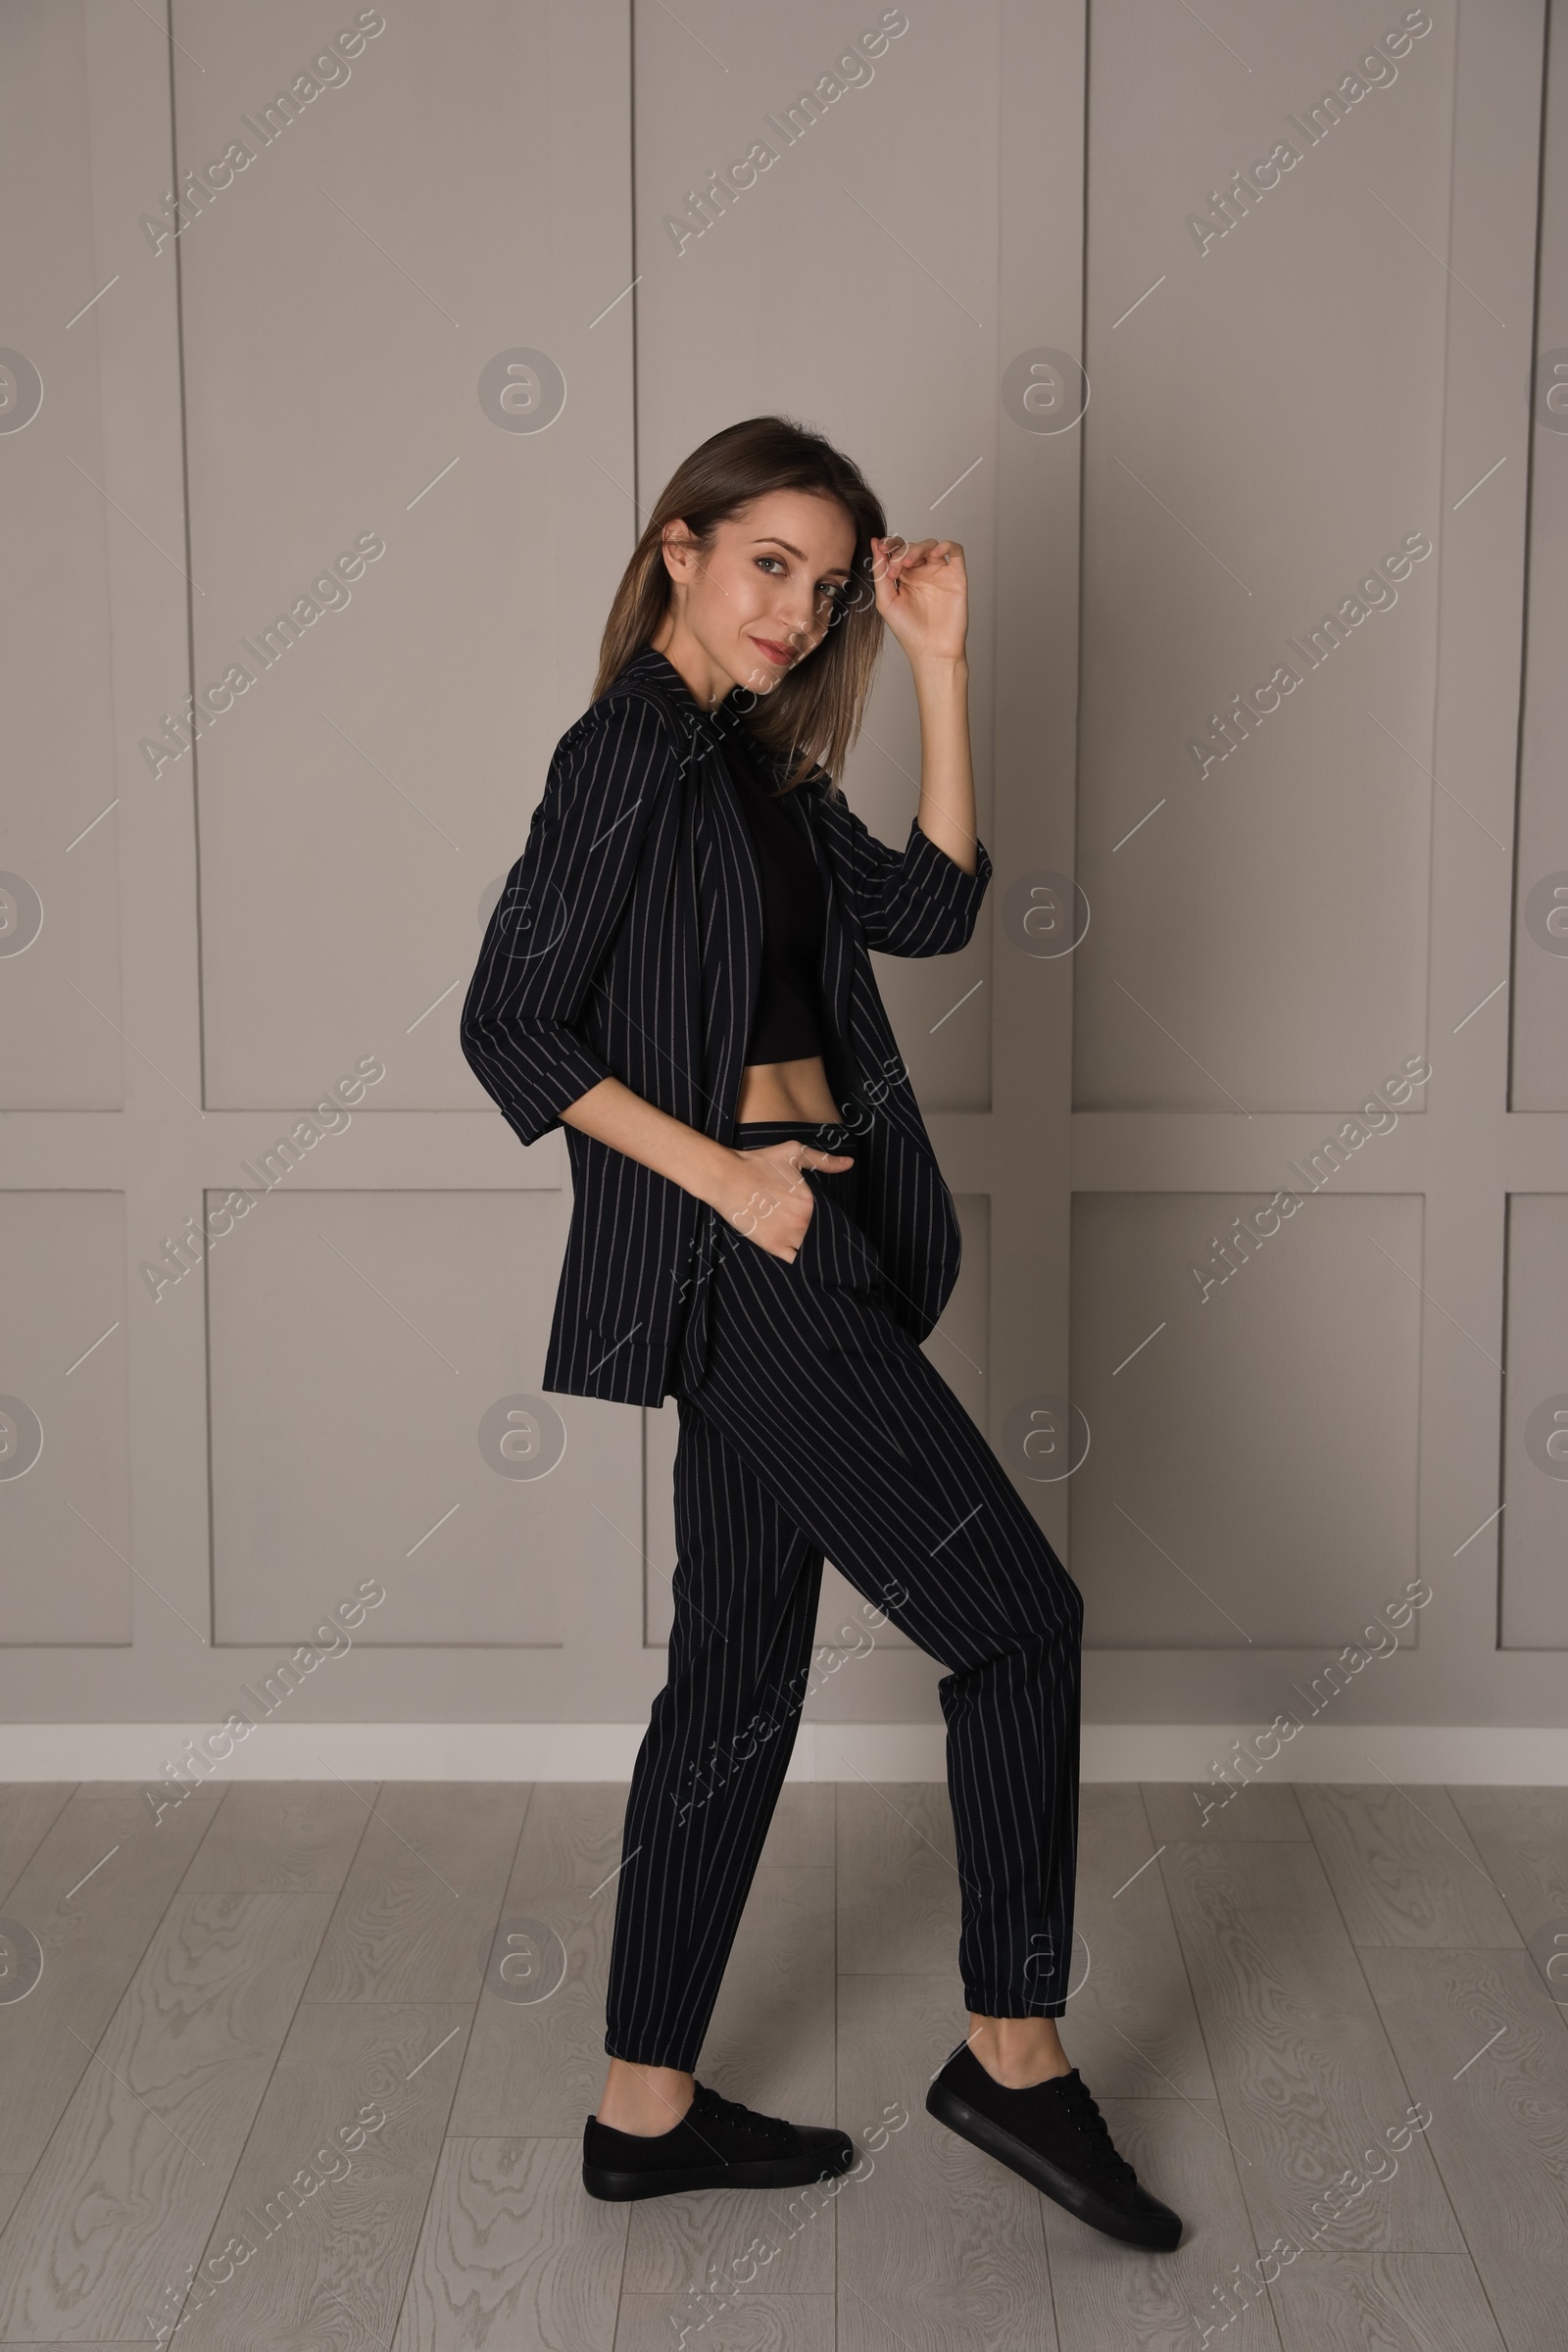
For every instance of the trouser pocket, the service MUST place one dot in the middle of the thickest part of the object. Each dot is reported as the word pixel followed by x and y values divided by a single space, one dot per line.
pixel 836 1252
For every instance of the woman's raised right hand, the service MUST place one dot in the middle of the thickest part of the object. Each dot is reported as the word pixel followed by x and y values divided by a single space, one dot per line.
pixel 769 1199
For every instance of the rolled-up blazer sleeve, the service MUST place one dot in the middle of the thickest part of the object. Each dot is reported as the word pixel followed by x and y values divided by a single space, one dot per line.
pixel 916 901
pixel 558 916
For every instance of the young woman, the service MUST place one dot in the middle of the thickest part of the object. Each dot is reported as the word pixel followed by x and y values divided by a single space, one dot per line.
pixel 679 974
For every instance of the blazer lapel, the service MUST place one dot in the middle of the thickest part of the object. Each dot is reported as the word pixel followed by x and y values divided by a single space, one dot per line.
pixel 837 963
pixel 730 895
pixel 727 888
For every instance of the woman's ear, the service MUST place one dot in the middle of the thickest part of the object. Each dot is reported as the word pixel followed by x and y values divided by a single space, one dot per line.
pixel 680 550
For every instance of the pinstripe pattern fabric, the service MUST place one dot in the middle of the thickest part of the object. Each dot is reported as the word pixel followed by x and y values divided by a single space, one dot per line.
pixel 818 1426
pixel 628 942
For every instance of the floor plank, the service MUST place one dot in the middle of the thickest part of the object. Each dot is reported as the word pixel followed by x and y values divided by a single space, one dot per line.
pixel 802 1831
pixel 1130 2026
pixel 209 1790
pixel 92 1894
pixel 1404 1868
pixel 1522 1837
pixel 418 1913
pixel 292 2266
pixel 746 2322
pixel 285 1837
pixel 28 1808
pixel 1111 2297
pixel 1188 1813
pixel 1307 2078
pixel 124 2194
pixel 899 1886
pixel 939 2244
pixel 1499 2130
pixel 535 2069
pixel 513 2256
pixel 1384 2303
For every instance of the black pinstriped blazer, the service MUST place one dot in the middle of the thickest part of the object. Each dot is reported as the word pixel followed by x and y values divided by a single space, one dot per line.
pixel 627 943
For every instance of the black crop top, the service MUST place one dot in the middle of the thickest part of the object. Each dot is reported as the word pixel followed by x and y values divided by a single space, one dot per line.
pixel 787 1024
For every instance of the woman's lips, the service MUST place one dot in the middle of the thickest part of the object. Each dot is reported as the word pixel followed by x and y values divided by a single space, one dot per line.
pixel 780 656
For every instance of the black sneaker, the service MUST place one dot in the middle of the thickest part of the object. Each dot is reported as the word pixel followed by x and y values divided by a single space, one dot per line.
pixel 1055 2137
pixel 718 2144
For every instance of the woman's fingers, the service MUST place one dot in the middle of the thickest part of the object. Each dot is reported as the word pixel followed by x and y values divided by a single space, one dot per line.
pixel 781 1204
pixel 917 555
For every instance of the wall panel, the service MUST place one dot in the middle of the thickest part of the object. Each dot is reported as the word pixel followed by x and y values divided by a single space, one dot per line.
pixel 65 1447
pixel 350 305
pixel 365 1347
pixel 1540 997
pixel 60 1016
pixel 1251 1473
pixel 1535 1477
pixel 1265 429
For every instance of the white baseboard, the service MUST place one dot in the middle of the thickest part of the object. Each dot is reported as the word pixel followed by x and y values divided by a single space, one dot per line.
pixel 823 1751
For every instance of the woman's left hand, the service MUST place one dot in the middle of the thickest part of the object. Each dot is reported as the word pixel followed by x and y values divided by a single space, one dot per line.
pixel 922 593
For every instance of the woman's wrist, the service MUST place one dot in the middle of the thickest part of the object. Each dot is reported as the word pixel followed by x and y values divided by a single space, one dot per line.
pixel 712 1180
pixel 614 1115
pixel 941 673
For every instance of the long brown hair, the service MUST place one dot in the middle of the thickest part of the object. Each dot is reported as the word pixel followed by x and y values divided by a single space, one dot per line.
pixel 813 716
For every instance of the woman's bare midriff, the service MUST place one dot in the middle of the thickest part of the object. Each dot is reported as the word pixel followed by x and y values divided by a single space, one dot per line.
pixel 787 1090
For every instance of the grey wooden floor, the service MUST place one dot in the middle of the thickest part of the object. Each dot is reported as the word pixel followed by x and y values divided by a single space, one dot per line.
pixel 231 1998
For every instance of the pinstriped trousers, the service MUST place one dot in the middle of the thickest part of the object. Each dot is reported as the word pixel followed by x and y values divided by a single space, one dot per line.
pixel 819 1428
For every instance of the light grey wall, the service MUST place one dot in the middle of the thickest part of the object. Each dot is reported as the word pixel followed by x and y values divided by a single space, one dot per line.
pixel 992 199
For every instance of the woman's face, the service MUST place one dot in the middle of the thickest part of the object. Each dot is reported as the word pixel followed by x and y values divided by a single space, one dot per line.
pixel 759 597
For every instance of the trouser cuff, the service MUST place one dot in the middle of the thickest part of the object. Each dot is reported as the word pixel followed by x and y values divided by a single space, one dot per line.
pixel 993 2000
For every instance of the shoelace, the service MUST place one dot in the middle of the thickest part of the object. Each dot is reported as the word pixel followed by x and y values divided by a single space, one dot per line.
pixel 732 2112
pixel 1091 2126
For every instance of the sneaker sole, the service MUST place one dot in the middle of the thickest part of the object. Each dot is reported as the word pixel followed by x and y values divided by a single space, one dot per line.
pixel 1085 2204
pixel 763 2171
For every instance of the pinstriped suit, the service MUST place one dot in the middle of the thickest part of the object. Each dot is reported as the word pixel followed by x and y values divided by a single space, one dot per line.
pixel 812 1422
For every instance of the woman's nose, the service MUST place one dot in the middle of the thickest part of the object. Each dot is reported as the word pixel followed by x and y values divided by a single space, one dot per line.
pixel 802 614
